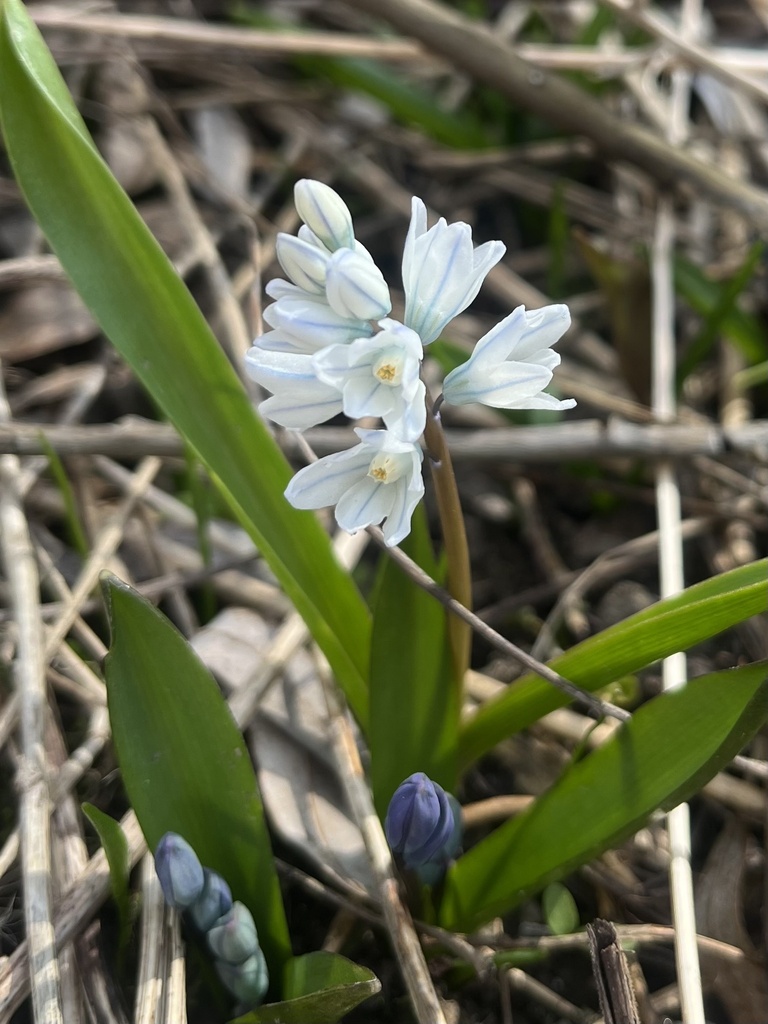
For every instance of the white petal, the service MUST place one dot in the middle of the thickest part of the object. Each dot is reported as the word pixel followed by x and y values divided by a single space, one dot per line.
pixel 406 498
pixel 303 406
pixel 324 482
pixel 386 441
pixel 416 229
pixel 543 328
pixel 543 401
pixel 408 418
pixel 497 387
pixel 366 503
pixel 303 262
pixel 364 396
pixel 275 369
pixel 325 213
pixel 313 322
pixel 496 345
pixel 355 287
pixel 332 364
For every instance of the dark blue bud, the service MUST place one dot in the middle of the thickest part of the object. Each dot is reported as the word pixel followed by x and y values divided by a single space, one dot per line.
pixel 431 872
pixel 420 821
pixel 213 902
pixel 233 938
pixel 179 871
pixel 247 981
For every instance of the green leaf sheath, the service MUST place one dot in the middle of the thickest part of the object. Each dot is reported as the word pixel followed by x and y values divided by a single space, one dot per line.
pixel 185 766
pixel 665 753
pixel 414 698
pixel 147 312
pixel 676 624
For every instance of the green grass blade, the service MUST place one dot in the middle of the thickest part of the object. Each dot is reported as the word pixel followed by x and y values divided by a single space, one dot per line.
pixel 673 625
pixel 724 307
pixel 668 750
pixel 743 329
pixel 145 309
pixel 184 764
pixel 118 858
pixel 415 702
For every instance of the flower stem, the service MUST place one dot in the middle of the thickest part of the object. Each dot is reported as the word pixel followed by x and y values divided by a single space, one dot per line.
pixel 459 582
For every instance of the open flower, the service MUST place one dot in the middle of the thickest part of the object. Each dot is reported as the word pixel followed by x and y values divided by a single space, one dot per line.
pixel 379 376
pixel 512 364
pixel 379 479
pixel 442 271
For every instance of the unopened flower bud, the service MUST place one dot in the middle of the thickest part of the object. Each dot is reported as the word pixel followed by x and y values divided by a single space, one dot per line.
pixel 248 981
pixel 213 902
pixel 234 938
pixel 431 872
pixel 303 262
pixel 420 821
pixel 325 213
pixel 355 287
pixel 179 871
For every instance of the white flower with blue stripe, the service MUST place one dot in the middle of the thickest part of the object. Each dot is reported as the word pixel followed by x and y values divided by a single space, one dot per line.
pixel 333 349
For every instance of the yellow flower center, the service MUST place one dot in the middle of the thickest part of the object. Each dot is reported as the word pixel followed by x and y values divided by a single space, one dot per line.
pixel 388 368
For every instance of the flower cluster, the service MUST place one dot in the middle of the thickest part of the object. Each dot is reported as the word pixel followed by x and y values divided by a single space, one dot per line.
pixel 423 826
pixel 228 926
pixel 332 348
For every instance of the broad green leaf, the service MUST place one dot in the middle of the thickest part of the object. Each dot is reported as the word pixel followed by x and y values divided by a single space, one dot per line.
pixel 665 753
pixel 184 764
pixel 321 988
pixel 145 309
pixel 675 624
pixel 118 858
pixel 414 700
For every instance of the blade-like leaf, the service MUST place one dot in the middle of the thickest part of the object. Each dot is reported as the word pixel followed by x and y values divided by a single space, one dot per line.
pixel 667 751
pixel 321 987
pixel 185 766
pixel 116 851
pixel 147 312
pixel 414 701
pixel 673 625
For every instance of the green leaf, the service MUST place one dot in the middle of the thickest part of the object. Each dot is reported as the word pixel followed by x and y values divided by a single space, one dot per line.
pixel 560 910
pixel 665 753
pixel 118 858
pixel 322 988
pixel 184 764
pixel 415 703
pixel 675 624
pixel 145 309
pixel 725 306
pixel 707 297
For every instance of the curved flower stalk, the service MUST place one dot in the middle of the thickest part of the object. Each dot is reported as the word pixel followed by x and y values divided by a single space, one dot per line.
pixel 513 363
pixel 205 898
pixel 379 479
pixel 332 348
pixel 442 271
